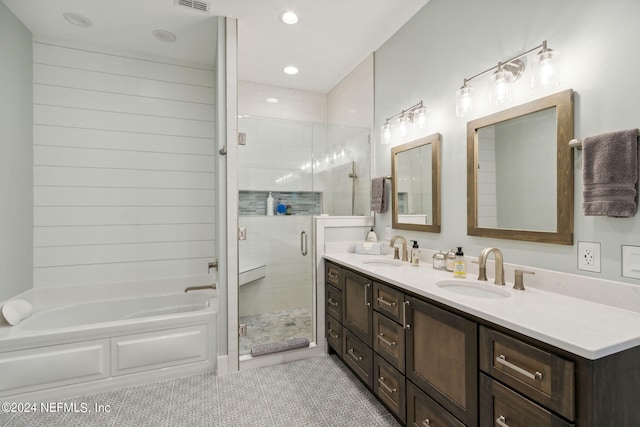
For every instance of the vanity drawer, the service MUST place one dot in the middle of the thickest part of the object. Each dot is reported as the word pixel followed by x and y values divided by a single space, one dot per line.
pixel 388 301
pixel 334 334
pixel 332 276
pixel 358 356
pixel 500 406
pixel 388 385
pixel 388 340
pixel 422 411
pixel 334 303
pixel 538 374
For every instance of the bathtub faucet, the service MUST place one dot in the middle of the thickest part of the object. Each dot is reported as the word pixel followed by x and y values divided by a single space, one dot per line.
pixel 199 288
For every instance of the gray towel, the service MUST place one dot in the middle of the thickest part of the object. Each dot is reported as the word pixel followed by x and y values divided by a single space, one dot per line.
pixel 610 174
pixel 379 195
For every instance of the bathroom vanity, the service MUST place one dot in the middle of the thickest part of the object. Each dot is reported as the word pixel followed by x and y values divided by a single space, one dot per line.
pixel 436 357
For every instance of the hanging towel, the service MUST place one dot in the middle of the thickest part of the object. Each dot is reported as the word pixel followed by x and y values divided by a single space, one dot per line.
pixel 610 174
pixel 378 195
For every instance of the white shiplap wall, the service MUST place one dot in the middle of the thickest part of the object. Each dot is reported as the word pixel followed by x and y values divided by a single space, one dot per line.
pixel 124 167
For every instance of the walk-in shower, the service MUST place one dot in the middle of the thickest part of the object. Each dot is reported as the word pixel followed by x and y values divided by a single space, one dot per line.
pixel 310 169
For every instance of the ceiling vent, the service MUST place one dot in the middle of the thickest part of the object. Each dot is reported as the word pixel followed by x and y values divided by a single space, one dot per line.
pixel 200 6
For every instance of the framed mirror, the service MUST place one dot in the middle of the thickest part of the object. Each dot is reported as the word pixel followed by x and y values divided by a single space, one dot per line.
pixel 520 172
pixel 415 183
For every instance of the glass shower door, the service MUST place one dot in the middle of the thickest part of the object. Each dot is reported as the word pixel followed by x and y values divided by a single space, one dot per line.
pixel 276 286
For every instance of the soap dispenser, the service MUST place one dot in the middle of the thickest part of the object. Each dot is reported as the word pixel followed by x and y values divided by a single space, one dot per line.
pixel 415 253
pixel 459 267
pixel 371 237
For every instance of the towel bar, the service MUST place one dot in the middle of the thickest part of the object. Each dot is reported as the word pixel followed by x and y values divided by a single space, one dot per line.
pixel 577 143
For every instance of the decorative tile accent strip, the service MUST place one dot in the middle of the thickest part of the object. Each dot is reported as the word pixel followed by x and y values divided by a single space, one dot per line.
pixel 301 202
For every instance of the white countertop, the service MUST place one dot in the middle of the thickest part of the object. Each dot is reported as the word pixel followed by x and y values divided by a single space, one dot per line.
pixel 585 328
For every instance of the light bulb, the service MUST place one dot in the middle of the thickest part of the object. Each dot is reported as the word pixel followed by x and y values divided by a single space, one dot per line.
pixel 545 71
pixel 403 125
pixel 386 134
pixel 464 101
pixel 420 117
pixel 501 86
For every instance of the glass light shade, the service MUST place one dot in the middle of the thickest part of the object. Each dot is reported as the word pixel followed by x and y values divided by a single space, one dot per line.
pixel 545 69
pixel 420 117
pixel 403 126
pixel 386 134
pixel 464 101
pixel 500 86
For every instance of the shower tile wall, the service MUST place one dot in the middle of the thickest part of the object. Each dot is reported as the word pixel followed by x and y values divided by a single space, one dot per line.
pixel 124 167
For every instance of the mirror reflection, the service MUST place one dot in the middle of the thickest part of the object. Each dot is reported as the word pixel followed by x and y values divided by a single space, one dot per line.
pixel 415 171
pixel 520 172
pixel 513 191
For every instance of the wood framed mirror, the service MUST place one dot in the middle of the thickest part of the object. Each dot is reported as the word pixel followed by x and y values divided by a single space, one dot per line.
pixel 415 182
pixel 520 172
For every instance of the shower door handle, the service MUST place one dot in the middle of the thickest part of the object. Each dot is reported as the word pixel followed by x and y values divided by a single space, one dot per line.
pixel 303 243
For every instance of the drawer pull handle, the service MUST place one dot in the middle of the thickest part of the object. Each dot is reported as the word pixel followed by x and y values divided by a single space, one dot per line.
pixel 354 356
pixel 386 341
pixel 385 302
pixel 332 302
pixel 385 386
pixel 404 315
pixel 426 423
pixel 503 360
pixel 501 421
pixel 333 275
pixel 366 295
pixel 332 335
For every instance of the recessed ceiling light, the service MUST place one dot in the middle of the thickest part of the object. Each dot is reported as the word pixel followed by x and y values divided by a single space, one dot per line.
pixel 77 19
pixel 164 36
pixel 289 18
pixel 272 100
pixel 291 70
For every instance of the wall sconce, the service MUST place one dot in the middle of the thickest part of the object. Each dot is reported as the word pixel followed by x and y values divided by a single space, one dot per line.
pixel 414 117
pixel 545 74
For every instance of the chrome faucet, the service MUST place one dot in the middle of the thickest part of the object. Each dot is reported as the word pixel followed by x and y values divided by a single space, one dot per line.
pixel 405 253
pixel 199 288
pixel 482 264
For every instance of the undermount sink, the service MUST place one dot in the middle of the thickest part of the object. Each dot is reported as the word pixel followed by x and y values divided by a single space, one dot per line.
pixel 383 262
pixel 473 288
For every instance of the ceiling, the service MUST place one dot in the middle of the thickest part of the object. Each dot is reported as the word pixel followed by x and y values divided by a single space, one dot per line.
pixel 331 38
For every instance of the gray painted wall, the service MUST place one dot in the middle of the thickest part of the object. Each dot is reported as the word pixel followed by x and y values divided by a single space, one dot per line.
pixel 16 156
pixel 449 40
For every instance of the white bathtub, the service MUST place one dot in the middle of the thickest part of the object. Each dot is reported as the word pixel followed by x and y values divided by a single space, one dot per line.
pixel 69 349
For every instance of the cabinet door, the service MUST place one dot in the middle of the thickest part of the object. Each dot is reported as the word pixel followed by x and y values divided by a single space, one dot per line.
pixel 356 302
pixel 441 358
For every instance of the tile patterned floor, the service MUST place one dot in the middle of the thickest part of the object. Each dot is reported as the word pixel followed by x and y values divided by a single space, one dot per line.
pixel 274 327
pixel 318 391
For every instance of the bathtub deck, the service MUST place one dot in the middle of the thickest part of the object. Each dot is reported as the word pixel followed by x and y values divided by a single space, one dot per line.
pixel 288 394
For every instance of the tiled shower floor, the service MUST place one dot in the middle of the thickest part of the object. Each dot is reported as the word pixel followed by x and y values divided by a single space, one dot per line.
pixel 275 327
pixel 319 391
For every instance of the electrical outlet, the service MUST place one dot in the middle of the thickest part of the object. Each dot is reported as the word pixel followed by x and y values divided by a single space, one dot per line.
pixel 589 256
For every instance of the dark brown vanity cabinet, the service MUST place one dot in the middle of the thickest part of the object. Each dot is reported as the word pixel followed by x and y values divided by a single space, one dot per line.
pixel 441 358
pixel 433 366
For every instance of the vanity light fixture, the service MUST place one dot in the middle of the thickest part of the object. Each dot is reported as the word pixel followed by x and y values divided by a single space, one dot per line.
pixel 413 117
pixel 505 74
